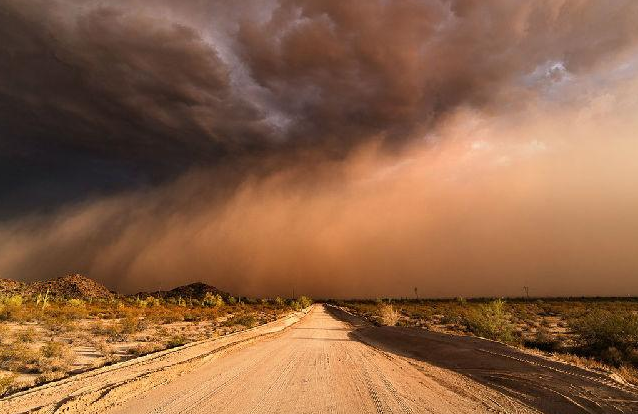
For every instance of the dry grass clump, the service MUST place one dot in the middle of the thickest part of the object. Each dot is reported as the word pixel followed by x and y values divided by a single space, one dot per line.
pixel 176 340
pixel 145 348
pixel 26 336
pixel 247 320
pixel 7 383
pixel 387 315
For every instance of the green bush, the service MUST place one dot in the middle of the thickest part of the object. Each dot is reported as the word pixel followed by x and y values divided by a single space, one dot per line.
pixel 10 308
pixel 491 321
pixel 304 302
pixel 211 300
pixel 601 329
pixel 76 303
pixel 611 336
pixel 7 384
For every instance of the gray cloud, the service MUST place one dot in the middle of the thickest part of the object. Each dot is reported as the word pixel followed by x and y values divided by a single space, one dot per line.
pixel 161 84
pixel 130 130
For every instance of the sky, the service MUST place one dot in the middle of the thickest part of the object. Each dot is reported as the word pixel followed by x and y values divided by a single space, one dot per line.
pixel 340 149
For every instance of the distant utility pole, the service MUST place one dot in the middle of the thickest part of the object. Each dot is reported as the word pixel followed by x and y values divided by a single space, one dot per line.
pixel 416 293
pixel 526 289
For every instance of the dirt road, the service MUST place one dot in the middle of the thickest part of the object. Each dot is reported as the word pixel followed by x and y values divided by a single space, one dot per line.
pixel 314 366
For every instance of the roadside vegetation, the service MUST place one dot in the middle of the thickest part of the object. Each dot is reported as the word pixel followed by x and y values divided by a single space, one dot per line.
pixel 43 339
pixel 597 333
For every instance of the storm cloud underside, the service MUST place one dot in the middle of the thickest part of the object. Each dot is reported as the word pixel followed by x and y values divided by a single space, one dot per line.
pixel 343 148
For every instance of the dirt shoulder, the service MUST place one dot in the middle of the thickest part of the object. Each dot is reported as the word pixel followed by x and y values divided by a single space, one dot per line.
pixel 128 379
pixel 548 386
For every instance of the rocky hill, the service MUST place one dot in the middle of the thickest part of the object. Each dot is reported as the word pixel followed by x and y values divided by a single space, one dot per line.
pixel 76 286
pixel 193 291
pixel 11 287
pixel 72 286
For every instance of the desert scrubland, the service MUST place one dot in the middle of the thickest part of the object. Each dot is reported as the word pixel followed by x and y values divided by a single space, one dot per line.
pixel 596 333
pixel 48 332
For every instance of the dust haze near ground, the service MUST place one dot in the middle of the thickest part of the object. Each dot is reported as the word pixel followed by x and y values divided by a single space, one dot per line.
pixel 471 212
pixel 340 150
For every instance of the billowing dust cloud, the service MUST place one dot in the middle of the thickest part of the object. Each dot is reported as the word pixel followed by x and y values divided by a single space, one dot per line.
pixel 335 148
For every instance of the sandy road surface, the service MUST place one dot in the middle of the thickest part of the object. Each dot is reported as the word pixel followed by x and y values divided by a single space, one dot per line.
pixel 314 366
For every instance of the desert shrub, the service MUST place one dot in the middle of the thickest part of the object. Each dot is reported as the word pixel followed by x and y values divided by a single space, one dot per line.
pixel 52 349
pixel 176 340
pixel 11 308
pixel 54 324
pixel 130 324
pixel 602 329
pixel 19 358
pixel 27 335
pixel 165 315
pixel 211 300
pixel 544 341
pixel 612 356
pixel 246 320
pixel 387 315
pixel 148 348
pixel 7 382
pixel 452 316
pixel 613 336
pixel 304 302
pixel 58 357
pixel 103 348
pixel 14 300
pixel 491 321
pixel 75 303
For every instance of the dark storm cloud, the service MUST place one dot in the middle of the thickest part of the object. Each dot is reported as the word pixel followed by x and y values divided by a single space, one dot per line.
pixel 143 83
pixel 141 88
pixel 359 68
pixel 115 83
pixel 107 95
pixel 252 141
